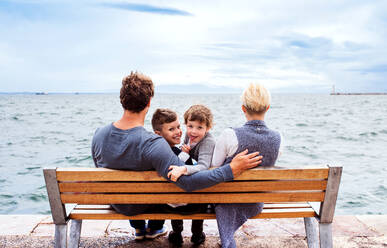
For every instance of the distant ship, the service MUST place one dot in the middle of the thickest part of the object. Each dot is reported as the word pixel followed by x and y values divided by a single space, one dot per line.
pixel 41 93
pixel 334 93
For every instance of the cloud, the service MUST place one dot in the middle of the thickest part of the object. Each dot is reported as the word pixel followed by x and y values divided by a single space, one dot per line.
pixel 88 46
pixel 147 8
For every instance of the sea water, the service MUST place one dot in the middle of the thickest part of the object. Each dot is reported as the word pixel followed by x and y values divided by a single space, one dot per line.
pixel 39 131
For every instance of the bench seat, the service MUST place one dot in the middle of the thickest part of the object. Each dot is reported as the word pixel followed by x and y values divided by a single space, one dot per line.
pixel 103 212
pixel 286 192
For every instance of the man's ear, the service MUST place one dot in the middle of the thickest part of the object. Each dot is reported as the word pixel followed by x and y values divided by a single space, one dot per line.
pixel 148 105
pixel 267 108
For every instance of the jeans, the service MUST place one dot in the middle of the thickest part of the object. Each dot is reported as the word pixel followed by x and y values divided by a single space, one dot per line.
pixel 197 225
pixel 152 224
pixel 134 209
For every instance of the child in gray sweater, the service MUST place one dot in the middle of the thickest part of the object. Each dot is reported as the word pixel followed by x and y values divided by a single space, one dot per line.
pixel 199 145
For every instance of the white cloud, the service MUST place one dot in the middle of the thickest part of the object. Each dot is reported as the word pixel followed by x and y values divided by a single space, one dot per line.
pixel 89 47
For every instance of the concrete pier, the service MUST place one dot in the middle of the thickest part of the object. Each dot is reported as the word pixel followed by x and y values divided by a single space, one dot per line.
pixel 348 231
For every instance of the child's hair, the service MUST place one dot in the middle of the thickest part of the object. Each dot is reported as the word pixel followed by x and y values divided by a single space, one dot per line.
pixel 161 116
pixel 199 113
pixel 256 98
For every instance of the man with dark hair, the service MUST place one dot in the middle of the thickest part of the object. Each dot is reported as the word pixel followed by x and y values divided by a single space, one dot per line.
pixel 126 145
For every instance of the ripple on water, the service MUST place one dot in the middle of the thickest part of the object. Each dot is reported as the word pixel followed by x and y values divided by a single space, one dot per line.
pixel 60 161
pixel 76 160
pixel 346 138
pixel 21 173
pixel 381 191
pixel 301 125
pixel 5 196
pixel 367 134
pixel 354 204
pixel 36 197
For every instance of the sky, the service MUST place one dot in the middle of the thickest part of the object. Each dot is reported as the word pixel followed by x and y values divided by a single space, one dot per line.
pixel 289 46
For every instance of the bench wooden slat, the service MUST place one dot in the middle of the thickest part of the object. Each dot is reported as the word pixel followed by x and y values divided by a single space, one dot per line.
pixel 100 174
pixel 253 186
pixel 192 198
pixel 266 206
pixel 113 215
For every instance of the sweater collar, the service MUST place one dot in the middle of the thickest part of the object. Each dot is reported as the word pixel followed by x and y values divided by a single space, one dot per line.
pixel 255 123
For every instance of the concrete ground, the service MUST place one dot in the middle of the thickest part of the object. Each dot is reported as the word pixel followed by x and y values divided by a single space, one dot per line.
pixel 348 231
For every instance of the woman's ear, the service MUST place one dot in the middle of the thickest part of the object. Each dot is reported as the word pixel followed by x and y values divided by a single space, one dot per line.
pixel 244 109
pixel 267 108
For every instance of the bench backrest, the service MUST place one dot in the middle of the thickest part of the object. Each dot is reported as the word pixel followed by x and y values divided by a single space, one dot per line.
pixel 274 185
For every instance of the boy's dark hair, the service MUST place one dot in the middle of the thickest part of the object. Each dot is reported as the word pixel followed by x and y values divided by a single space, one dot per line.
pixel 161 116
pixel 136 92
pixel 199 113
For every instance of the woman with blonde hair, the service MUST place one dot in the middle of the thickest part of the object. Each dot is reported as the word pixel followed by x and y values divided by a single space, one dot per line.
pixel 255 136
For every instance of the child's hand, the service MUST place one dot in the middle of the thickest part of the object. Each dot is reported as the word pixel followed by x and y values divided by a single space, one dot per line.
pixel 185 148
pixel 175 172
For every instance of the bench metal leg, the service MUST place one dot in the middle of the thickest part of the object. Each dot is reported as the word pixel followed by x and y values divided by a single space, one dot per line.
pixel 75 233
pixel 60 236
pixel 326 240
pixel 311 230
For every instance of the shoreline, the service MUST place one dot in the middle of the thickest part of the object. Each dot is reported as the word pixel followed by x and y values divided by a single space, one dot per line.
pixel 358 94
pixel 348 231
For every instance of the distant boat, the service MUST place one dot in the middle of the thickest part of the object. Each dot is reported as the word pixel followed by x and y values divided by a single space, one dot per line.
pixel 41 93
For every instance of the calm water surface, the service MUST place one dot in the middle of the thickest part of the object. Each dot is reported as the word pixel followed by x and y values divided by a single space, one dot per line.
pixel 56 131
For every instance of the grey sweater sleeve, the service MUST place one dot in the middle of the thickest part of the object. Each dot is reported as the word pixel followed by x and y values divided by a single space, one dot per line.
pixel 205 150
pixel 160 155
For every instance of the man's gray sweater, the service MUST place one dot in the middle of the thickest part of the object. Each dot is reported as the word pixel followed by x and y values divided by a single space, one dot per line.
pixel 139 150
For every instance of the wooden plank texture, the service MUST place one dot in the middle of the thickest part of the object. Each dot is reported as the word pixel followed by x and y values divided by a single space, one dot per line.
pixel 192 198
pixel 160 187
pixel 102 174
pixel 327 208
pixel 266 206
pixel 58 210
pixel 112 215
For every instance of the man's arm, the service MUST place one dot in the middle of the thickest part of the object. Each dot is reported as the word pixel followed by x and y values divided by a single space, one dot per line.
pixel 160 155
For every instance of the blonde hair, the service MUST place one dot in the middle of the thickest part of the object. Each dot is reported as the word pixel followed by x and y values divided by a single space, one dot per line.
pixel 256 98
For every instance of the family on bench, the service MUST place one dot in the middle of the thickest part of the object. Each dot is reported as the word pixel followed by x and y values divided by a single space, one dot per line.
pixel 200 163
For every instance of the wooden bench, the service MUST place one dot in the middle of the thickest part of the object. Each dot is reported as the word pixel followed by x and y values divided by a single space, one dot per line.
pixel 287 193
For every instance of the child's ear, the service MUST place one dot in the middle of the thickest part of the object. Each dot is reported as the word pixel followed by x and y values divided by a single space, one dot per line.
pixel 157 132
